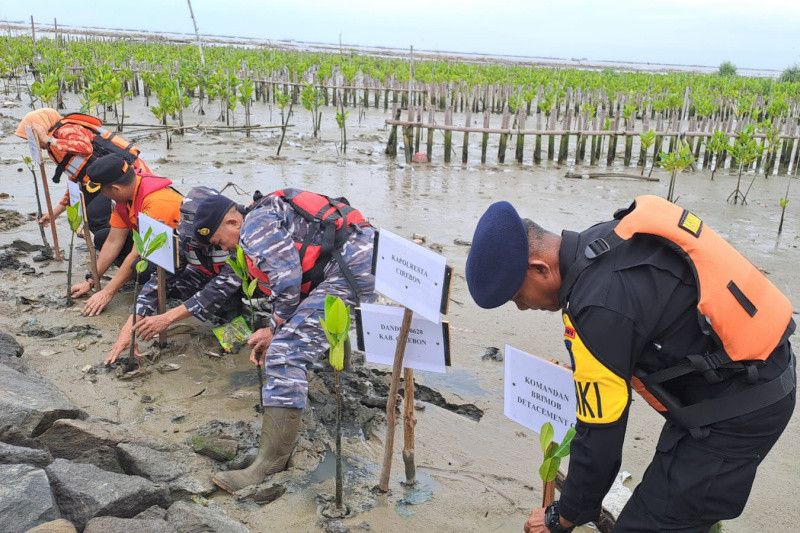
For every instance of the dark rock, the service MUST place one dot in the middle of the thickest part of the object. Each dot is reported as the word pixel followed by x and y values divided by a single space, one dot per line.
pixel 8 261
pixel 188 517
pixel 25 498
pixel 55 526
pixel 245 434
pixel 84 491
pixel 111 524
pixel 216 448
pixel 32 404
pixel 25 246
pixel 492 354
pixel 462 242
pixel 9 347
pixel 10 454
pixel 87 441
pixel 152 513
pixel 183 471
pixel 336 526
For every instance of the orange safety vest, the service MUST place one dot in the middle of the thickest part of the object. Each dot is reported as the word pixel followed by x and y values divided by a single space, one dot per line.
pixel 104 142
pixel 747 316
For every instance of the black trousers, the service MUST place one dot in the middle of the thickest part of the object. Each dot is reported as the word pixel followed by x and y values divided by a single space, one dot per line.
pixel 692 484
pixel 98 211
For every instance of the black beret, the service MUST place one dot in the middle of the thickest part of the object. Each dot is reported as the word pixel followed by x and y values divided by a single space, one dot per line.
pixel 498 259
pixel 209 215
pixel 108 169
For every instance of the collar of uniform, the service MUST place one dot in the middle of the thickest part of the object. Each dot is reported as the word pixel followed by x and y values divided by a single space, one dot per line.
pixel 566 257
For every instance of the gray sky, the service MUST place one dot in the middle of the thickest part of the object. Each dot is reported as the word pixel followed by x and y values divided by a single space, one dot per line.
pixel 751 33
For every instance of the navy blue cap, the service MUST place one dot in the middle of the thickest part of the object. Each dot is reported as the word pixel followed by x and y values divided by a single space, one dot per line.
pixel 498 259
pixel 107 170
pixel 209 215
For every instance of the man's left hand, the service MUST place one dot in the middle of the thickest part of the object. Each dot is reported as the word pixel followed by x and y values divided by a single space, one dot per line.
pixel 535 522
pixel 95 305
pixel 259 342
pixel 148 327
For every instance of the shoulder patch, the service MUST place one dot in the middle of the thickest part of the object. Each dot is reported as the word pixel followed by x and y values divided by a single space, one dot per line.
pixel 690 223
pixel 601 396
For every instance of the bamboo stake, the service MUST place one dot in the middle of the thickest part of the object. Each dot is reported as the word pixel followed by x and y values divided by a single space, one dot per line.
pixel 90 245
pixel 391 403
pixel 485 139
pixel 410 421
pixel 46 190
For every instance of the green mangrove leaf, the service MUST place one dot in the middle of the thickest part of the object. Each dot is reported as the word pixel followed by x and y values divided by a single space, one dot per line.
pixel 546 436
pixel 141 265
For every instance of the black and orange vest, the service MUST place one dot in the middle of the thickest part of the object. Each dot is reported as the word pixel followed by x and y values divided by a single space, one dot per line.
pixel 332 220
pixel 149 184
pixel 104 142
pixel 745 314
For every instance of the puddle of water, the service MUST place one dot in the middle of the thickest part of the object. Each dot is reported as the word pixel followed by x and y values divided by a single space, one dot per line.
pixel 420 493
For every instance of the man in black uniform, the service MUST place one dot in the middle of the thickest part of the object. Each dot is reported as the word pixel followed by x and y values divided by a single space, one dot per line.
pixel 628 315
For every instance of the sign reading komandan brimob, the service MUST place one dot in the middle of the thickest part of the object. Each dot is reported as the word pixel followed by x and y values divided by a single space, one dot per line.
pixel 538 391
pixel 427 347
pixel 411 275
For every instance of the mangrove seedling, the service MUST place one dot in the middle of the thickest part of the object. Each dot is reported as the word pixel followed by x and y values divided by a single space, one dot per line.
pixel 744 151
pixel 311 98
pixel 47 252
pixel 646 139
pixel 341 117
pixel 716 145
pixel 783 203
pixel 145 246
pixel 75 220
pixel 239 267
pixel 676 161
pixel 553 454
pixel 336 326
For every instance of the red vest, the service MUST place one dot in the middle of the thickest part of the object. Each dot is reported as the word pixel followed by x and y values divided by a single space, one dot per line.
pixel 332 220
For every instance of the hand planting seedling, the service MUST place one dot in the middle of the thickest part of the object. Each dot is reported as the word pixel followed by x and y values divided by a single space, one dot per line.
pixel 336 326
pixel 145 245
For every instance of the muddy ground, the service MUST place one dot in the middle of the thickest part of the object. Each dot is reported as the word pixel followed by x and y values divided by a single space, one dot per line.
pixel 476 475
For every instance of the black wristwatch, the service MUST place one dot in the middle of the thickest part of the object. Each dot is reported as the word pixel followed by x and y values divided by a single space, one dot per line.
pixel 551 519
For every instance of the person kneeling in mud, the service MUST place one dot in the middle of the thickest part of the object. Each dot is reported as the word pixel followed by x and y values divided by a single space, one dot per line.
pixel 204 281
pixel 300 246
pixel 133 193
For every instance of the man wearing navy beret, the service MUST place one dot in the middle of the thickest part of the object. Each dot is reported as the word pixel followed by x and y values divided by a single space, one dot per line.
pixel 204 281
pixel 629 292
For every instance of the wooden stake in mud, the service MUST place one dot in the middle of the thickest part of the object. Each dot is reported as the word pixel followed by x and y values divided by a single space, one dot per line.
pixel 391 403
pixel 161 278
pixel 36 150
pixel 197 34
pixel 409 421
pixel 87 236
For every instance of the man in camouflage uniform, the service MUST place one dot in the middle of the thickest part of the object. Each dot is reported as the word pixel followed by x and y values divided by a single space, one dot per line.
pixel 207 286
pixel 270 235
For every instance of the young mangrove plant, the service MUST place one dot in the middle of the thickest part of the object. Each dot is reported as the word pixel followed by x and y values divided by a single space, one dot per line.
pixel 646 139
pixel 783 202
pixel 311 98
pixel 341 118
pixel 553 454
pixel 145 246
pixel 75 220
pixel 744 151
pixel 336 326
pixel 239 267
pixel 676 161
pixel 716 146
pixel 282 99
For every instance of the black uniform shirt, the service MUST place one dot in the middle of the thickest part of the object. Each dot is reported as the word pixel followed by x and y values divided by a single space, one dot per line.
pixel 635 307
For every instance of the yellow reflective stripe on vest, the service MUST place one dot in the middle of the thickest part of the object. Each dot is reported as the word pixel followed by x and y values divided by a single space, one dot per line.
pixel 601 396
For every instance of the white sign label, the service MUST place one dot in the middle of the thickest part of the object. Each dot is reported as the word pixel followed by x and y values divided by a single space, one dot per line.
pixel 538 391
pixel 33 146
pixel 428 346
pixel 164 256
pixel 75 195
pixel 409 274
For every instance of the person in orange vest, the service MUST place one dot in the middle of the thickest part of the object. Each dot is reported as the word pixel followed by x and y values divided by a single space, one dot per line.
pixel 656 301
pixel 133 193
pixel 74 142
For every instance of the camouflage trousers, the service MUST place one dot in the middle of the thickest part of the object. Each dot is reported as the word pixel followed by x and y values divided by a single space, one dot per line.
pixel 300 343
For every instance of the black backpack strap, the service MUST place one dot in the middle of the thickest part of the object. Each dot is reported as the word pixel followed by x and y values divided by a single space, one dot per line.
pixel 594 250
